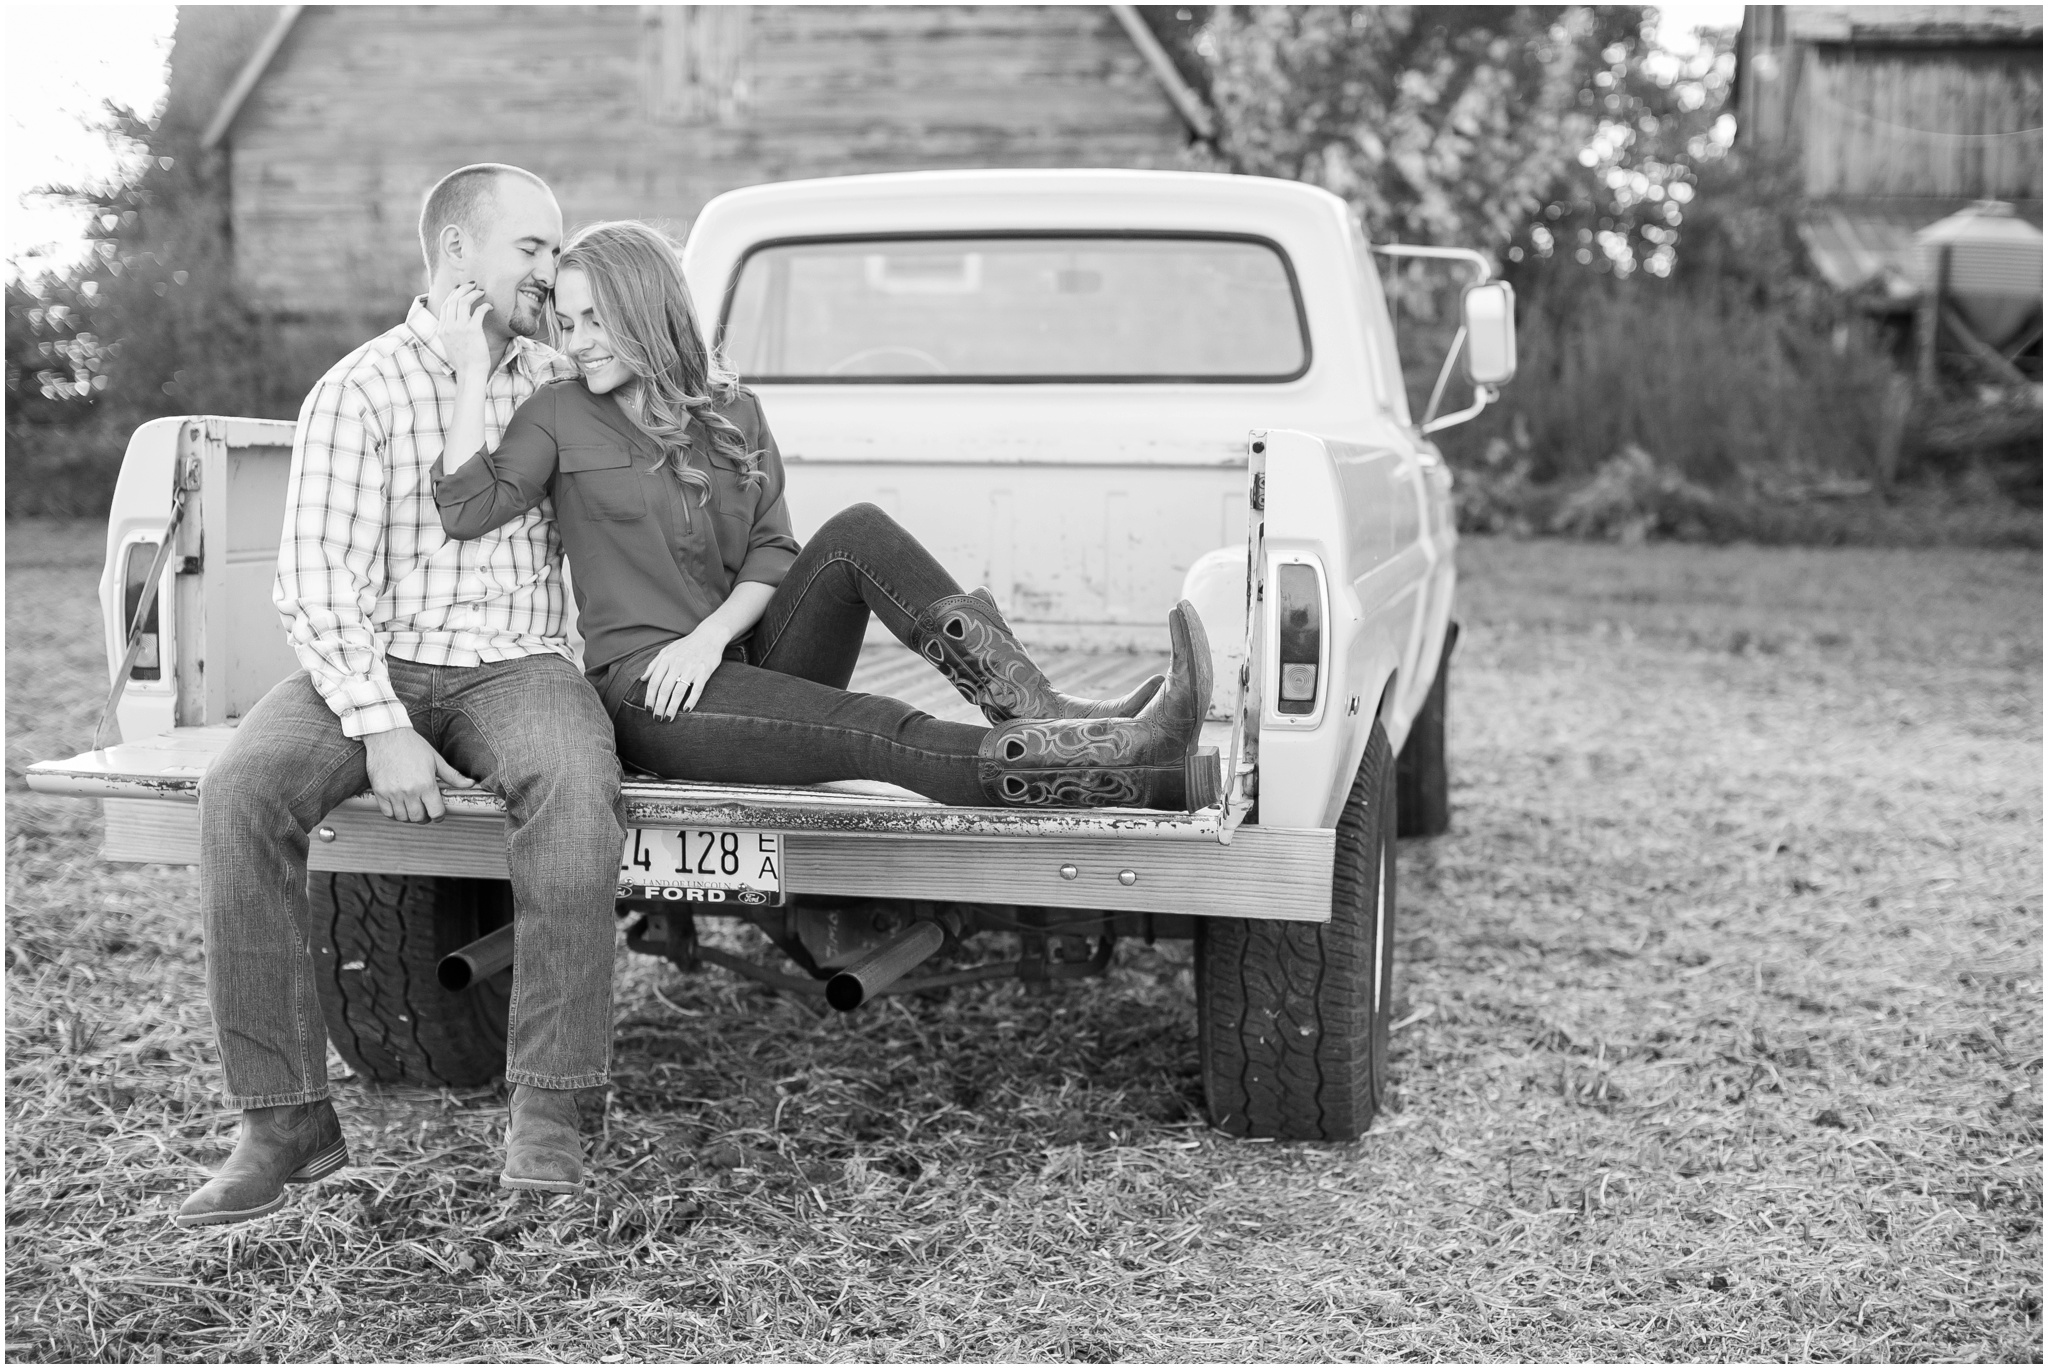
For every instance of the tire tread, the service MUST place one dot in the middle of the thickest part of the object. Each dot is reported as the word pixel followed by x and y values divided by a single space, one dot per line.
pixel 392 1021
pixel 1291 1045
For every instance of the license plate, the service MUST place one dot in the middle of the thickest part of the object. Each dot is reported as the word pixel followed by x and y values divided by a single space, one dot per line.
pixel 701 865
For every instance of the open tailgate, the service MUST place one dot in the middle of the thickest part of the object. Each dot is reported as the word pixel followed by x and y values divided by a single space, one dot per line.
pixel 853 837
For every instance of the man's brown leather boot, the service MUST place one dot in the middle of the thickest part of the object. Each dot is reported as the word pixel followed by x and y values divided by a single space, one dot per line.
pixel 1154 760
pixel 544 1144
pixel 294 1144
pixel 964 635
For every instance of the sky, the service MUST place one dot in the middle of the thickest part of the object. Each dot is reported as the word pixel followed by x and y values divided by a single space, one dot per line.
pixel 1678 25
pixel 68 58
pixel 64 60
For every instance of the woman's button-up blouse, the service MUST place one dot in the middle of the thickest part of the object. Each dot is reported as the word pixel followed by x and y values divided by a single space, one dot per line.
pixel 649 563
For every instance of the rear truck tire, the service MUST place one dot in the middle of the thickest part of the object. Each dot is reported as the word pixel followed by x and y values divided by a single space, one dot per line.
pixel 1423 779
pixel 377 940
pixel 1292 1016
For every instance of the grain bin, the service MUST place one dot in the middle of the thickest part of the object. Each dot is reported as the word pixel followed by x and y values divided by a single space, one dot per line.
pixel 1994 267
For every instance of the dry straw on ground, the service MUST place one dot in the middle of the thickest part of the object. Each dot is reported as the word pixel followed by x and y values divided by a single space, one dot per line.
pixel 1721 1039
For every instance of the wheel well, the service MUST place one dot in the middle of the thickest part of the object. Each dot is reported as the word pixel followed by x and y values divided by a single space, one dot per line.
pixel 1386 702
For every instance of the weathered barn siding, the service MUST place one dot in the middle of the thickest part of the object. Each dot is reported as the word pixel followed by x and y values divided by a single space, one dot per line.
pixel 1907 122
pixel 648 112
pixel 1935 102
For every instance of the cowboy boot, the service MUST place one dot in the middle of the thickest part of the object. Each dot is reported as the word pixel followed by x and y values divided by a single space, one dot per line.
pixel 544 1143
pixel 293 1144
pixel 1154 760
pixel 964 635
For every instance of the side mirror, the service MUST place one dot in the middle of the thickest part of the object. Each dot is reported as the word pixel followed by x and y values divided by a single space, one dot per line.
pixel 1489 310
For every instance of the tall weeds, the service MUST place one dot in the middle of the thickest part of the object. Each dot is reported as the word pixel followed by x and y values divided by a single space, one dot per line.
pixel 1715 389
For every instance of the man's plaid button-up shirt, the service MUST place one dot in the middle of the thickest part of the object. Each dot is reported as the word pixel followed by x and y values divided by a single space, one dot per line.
pixel 364 570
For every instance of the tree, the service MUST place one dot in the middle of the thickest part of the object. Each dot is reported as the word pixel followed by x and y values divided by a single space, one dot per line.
pixel 150 322
pixel 1658 125
pixel 1440 125
pixel 1559 135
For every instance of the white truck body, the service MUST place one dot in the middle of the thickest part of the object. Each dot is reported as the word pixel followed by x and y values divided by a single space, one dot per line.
pixel 1088 508
pixel 1293 499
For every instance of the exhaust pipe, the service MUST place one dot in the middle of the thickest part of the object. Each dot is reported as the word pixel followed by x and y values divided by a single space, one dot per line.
pixel 477 961
pixel 883 966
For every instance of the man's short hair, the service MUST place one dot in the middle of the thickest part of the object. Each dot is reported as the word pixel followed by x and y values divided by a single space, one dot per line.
pixel 466 198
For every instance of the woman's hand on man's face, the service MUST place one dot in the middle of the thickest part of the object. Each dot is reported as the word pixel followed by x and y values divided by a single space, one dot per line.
pixel 461 326
pixel 675 677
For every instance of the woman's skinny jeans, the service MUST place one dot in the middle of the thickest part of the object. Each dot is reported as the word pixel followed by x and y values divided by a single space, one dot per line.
pixel 784 715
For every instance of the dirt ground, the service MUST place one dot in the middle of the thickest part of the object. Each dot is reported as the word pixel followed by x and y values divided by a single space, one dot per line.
pixel 1720 1039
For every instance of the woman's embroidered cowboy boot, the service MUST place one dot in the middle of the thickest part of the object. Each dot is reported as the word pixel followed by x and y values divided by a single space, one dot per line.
pixel 964 635
pixel 1154 760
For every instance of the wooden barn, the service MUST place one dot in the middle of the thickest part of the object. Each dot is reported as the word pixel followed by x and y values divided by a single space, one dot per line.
pixel 1898 115
pixel 343 116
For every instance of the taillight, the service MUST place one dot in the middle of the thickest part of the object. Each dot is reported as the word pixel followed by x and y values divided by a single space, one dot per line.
pixel 134 574
pixel 1301 638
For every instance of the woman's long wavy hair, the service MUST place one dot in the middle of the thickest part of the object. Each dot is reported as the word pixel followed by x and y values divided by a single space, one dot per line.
pixel 636 281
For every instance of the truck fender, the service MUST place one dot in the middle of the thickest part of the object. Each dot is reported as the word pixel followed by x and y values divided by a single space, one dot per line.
pixel 1357 737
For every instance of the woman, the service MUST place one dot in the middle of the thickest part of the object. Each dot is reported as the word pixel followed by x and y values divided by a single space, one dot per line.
pixel 720 648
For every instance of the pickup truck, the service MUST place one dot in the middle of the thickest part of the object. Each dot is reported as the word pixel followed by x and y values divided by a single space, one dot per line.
pixel 1094 391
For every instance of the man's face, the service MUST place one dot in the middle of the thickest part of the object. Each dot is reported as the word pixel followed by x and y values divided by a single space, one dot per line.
pixel 513 257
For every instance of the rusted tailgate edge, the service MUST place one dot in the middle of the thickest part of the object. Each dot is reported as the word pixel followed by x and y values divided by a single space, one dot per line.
pixel 663 803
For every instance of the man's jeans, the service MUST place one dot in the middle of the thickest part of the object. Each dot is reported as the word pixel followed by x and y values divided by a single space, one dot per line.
pixel 530 730
pixel 787 718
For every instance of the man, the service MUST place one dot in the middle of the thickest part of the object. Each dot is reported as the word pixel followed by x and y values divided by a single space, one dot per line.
pixel 427 662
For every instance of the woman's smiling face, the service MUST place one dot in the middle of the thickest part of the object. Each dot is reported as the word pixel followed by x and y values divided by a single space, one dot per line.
pixel 583 334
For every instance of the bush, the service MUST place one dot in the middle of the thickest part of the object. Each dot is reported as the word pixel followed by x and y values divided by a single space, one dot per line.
pixel 1995 433
pixel 1630 499
pixel 65 470
pixel 64 448
pixel 151 322
pixel 1648 412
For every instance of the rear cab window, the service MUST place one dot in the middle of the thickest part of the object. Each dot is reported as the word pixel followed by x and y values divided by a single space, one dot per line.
pixel 1016 308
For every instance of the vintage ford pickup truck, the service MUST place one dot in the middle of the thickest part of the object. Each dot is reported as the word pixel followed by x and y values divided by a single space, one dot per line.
pixel 1096 392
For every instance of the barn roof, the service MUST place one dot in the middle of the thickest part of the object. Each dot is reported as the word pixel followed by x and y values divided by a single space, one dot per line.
pixel 251 73
pixel 1185 101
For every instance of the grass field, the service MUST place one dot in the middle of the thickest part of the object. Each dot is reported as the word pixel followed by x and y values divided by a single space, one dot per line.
pixel 1720 1039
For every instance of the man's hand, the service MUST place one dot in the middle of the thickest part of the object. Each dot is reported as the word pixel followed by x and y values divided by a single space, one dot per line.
pixel 406 775
pixel 675 678
pixel 461 329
